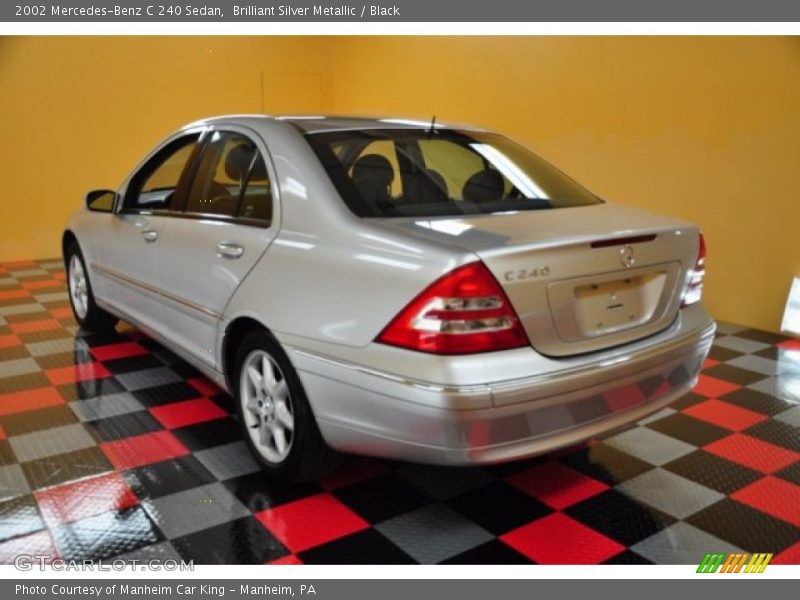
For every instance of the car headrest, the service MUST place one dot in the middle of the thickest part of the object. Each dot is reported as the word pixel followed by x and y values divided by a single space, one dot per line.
pixel 484 186
pixel 373 168
pixel 238 161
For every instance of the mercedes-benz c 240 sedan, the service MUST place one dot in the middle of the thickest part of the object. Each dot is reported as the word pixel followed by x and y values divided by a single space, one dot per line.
pixel 393 288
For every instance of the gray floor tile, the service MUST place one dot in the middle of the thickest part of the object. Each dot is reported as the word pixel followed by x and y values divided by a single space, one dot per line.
pixel 228 460
pixel 12 482
pixel 681 544
pixel 35 272
pixel 664 412
pixel 790 417
pixel 102 407
pixel 445 482
pixel 785 388
pixel 8 281
pixel 739 344
pixel 137 380
pixel 729 328
pixel 161 552
pixel 195 509
pixel 20 366
pixel 758 364
pixel 648 445
pixel 53 265
pixel 51 297
pixel 670 493
pixel 433 534
pixel 56 440
pixel 21 309
pixel 49 347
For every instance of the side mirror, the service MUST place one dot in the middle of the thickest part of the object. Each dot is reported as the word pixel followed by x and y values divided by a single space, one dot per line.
pixel 101 200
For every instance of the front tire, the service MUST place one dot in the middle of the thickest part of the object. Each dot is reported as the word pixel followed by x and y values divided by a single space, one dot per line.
pixel 86 312
pixel 274 414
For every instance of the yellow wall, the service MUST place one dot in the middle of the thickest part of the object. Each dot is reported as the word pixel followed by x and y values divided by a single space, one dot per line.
pixel 706 129
pixel 701 128
pixel 79 112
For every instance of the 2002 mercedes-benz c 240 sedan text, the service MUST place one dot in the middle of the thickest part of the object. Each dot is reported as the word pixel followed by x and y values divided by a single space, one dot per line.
pixel 393 288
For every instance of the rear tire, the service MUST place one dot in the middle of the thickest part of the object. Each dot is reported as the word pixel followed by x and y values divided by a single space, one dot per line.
pixel 274 414
pixel 88 315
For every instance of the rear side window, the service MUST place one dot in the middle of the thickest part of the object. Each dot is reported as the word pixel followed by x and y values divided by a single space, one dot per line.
pixel 408 172
pixel 231 180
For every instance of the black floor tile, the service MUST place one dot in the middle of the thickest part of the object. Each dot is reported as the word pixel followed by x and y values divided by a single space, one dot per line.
pixel 734 374
pixel 258 492
pixel 55 470
pixel 498 507
pixel 748 528
pixel 688 429
pixel 605 463
pixel 123 426
pixel 36 420
pixel 366 547
pixel 618 517
pixel 244 541
pixel 713 472
pixel 776 432
pixel 493 552
pixel 380 498
pixel 168 477
pixel 209 434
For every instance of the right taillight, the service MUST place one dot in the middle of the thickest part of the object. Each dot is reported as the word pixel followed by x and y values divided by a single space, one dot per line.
pixel 694 291
pixel 464 312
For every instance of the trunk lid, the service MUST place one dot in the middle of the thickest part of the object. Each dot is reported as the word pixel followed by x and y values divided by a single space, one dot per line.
pixel 581 279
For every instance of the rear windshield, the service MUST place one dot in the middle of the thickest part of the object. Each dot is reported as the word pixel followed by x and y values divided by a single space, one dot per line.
pixel 416 173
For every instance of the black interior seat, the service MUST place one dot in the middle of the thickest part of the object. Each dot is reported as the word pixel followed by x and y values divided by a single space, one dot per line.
pixel 484 186
pixel 373 176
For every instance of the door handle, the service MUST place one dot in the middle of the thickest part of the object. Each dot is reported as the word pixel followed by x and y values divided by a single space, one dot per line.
pixel 229 250
pixel 150 235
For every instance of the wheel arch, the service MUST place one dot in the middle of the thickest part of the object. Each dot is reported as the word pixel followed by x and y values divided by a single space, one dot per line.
pixel 67 238
pixel 235 332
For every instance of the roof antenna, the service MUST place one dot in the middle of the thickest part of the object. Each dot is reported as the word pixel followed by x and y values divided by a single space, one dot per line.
pixel 433 124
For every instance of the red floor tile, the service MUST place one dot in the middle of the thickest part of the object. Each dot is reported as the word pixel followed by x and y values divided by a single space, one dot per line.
pixel 18 265
pixel 35 544
pixel 559 540
pixel 9 340
pixel 724 414
pixel 751 452
pixel 187 412
pixel 204 386
pixel 41 283
pixel 311 521
pixel 114 351
pixel 711 387
pixel 556 485
pixel 63 312
pixel 710 362
pixel 773 496
pixel 85 498
pixel 75 373
pixel 289 559
pixel 143 449
pixel 29 400
pixel 790 345
pixel 31 326
pixel 12 294
pixel 790 556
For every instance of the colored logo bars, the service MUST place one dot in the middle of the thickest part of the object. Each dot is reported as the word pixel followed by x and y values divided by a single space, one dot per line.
pixel 734 563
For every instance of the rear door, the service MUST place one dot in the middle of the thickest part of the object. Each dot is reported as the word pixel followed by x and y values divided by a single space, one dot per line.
pixel 212 241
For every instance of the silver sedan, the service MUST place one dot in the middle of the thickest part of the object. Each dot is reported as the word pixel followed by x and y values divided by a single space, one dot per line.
pixel 393 288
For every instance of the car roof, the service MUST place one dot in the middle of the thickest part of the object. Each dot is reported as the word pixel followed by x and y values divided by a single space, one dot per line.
pixel 321 123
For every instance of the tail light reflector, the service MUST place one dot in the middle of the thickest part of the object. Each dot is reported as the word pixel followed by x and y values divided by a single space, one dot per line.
pixel 694 291
pixel 464 312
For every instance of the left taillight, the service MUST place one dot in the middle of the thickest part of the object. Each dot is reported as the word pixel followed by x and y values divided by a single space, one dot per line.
pixel 694 291
pixel 463 312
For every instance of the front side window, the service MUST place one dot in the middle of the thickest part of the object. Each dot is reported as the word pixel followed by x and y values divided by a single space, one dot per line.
pixel 156 185
pixel 231 180
pixel 409 172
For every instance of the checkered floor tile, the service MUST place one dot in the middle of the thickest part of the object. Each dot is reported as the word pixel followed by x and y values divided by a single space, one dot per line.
pixel 110 446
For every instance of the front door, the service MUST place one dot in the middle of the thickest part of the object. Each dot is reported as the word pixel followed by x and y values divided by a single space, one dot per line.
pixel 128 264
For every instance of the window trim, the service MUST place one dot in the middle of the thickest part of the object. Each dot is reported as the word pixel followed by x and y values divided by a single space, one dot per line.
pixel 204 133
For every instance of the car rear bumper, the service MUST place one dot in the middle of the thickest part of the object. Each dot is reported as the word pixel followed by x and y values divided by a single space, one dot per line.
pixel 377 413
